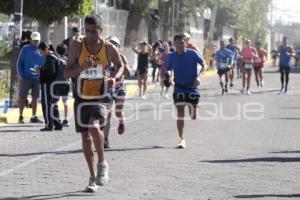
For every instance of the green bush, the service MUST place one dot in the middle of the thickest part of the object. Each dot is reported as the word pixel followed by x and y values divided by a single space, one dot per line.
pixel 5 51
pixel 4 83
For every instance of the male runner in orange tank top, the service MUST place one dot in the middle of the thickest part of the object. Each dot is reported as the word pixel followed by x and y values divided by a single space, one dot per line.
pixel 87 61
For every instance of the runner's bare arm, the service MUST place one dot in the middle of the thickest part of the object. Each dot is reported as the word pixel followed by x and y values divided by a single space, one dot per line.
pixel 73 68
pixel 135 50
pixel 115 58
pixel 126 66
pixel 266 54
pixel 150 47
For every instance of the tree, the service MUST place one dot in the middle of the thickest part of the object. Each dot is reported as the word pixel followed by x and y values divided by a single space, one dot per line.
pixel 252 18
pixel 46 12
pixel 137 11
pixel 4 17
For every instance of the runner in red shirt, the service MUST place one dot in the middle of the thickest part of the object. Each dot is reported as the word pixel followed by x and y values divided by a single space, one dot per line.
pixel 258 64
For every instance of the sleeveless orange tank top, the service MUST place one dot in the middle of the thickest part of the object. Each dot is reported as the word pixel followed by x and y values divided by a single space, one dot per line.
pixel 92 79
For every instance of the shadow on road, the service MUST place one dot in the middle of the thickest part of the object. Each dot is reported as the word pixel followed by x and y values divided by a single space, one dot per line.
pixel 254 160
pixel 41 153
pixel 52 196
pixel 267 195
pixel 287 108
pixel 286 152
pixel 15 131
pixel 286 118
pixel 78 151
pixel 136 149
pixel 14 125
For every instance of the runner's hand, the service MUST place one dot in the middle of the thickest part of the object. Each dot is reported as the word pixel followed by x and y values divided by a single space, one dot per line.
pixel 88 63
pixel 197 81
pixel 37 70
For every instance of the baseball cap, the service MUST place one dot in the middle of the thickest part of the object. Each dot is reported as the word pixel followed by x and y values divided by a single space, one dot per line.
pixel 187 35
pixel 36 36
pixel 115 40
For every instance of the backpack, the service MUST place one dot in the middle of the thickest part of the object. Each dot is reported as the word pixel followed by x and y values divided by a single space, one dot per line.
pixel 61 88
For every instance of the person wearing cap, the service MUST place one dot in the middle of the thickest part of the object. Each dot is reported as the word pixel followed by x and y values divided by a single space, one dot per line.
pixel 118 94
pixel 48 73
pixel 29 58
pixel 189 44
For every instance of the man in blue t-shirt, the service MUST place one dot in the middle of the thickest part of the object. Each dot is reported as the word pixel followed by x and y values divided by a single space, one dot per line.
pixel 30 58
pixel 224 59
pixel 184 64
pixel 286 52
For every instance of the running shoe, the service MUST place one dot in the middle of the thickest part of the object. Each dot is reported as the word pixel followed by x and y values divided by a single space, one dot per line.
pixel 181 144
pixel 102 173
pixel 92 186
pixel 226 90
pixel 249 93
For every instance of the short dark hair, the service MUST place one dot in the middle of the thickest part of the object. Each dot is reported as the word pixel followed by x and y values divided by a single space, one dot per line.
pixel 180 37
pixel 75 30
pixel 61 49
pixel 94 20
pixel 28 35
pixel 43 46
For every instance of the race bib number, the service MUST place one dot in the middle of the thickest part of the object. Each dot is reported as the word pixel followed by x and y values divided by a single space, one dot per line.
pixel 248 66
pixel 92 73
pixel 223 65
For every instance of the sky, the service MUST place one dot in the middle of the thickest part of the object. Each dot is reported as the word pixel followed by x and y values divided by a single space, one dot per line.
pixel 286 10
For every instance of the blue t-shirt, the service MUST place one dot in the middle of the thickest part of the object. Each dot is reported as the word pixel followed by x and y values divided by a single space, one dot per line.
pixel 29 57
pixel 223 56
pixel 235 49
pixel 185 70
pixel 285 59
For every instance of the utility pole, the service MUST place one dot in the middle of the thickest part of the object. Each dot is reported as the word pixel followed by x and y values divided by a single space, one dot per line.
pixel 18 15
pixel 173 18
pixel 96 6
pixel 212 24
